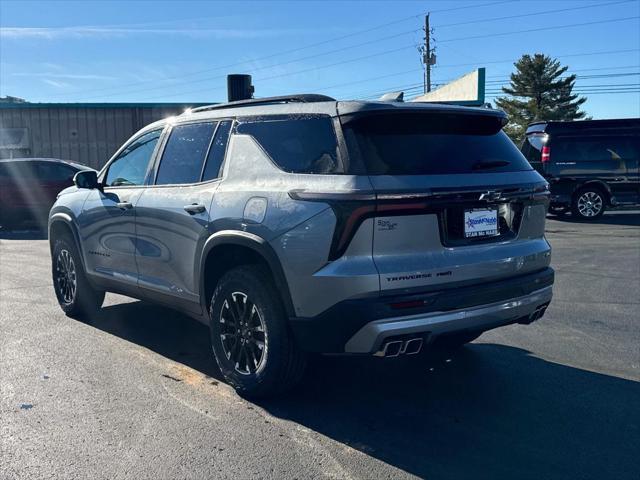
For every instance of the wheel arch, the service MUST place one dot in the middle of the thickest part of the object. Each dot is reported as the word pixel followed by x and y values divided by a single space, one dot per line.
pixel 238 248
pixel 61 223
pixel 600 184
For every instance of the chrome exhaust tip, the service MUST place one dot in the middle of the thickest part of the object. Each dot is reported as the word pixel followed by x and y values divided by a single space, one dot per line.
pixel 413 346
pixel 391 349
pixel 536 315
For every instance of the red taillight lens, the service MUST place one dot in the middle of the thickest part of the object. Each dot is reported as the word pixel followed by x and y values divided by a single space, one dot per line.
pixel 546 154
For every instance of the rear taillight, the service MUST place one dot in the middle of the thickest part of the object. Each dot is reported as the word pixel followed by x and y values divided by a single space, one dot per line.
pixel 546 154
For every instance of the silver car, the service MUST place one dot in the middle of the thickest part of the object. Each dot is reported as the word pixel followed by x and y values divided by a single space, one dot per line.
pixel 303 224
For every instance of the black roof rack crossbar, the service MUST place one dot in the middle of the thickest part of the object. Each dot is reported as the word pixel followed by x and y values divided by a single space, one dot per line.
pixel 302 98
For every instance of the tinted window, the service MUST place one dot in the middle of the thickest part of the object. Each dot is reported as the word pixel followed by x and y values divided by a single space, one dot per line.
pixel 593 149
pixel 419 144
pixel 216 152
pixel 19 170
pixel 185 151
pixel 53 172
pixel 303 145
pixel 131 166
pixel 532 147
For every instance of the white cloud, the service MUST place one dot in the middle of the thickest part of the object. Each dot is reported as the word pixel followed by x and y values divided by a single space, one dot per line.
pixel 52 33
pixel 69 76
pixel 56 83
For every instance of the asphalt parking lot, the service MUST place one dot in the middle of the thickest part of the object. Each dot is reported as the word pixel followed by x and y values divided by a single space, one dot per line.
pixel 134 392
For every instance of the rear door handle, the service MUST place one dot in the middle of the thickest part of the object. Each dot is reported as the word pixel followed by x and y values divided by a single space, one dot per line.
pixel 194 208
pixel 124 205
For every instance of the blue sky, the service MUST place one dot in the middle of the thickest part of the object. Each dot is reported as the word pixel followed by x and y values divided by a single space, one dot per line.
pixel 174 51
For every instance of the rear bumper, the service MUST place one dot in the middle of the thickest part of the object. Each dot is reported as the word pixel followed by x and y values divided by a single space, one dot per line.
pixel 362 325
pixel 523 309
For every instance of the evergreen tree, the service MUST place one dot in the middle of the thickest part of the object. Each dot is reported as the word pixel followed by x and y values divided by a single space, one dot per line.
pixel 538 92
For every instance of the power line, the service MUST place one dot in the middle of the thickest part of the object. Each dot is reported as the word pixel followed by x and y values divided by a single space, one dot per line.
pixel 386 52
pixel 541 29
pixel 363 57
pixel 503 77
pixel 297 49
pixel 532 14
pixel 626 92
pixel 417 70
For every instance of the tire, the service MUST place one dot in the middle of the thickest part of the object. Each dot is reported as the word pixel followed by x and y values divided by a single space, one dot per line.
pixel 76 296
pixel 259 357
pixel 589 203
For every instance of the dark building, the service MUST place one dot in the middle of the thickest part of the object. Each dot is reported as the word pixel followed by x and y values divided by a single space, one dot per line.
pixel 86 133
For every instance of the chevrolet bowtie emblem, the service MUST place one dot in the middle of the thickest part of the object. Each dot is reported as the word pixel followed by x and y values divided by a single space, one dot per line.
pixel 491 196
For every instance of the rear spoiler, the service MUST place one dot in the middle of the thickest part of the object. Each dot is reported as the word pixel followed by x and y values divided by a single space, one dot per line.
pixel 349 113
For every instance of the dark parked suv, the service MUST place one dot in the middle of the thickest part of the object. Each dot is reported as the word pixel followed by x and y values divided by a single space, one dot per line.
pixel 303 224
pixel 590 164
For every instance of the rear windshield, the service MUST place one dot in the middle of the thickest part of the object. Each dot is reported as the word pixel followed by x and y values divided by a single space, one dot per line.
pixel 419 144
pixel 532 146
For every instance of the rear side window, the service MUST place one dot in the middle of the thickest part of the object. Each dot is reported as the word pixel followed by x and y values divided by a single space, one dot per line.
pixel 432 144
pixel 594 149
pixel 217 151
pixel 184 154
pixel 17 170
pixel 297 145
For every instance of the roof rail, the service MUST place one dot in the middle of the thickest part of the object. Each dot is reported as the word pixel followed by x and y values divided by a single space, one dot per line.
pixel 301 98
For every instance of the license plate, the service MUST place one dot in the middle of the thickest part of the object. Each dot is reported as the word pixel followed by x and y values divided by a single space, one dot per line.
pixel 480 223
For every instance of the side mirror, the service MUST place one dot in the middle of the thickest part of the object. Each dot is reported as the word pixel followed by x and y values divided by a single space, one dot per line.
pixel 86 179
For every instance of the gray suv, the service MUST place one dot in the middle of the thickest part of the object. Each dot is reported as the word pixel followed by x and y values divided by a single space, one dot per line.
pixel 303 224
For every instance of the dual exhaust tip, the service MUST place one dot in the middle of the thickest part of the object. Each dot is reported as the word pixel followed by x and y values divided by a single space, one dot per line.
pixel 395 348
pixel 536 315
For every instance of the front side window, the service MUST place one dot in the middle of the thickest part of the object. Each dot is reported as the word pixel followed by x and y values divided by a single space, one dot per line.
pixel 130 167
pixel 297 145
pixel 184 154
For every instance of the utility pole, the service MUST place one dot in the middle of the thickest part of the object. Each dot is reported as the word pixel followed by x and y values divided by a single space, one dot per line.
pixel 427 37
pixel 428 57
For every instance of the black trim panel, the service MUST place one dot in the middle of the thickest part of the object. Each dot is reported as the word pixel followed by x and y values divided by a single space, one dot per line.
pixel 332 329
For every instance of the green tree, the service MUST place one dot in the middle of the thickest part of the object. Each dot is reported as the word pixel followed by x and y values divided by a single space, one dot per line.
pixel 538 91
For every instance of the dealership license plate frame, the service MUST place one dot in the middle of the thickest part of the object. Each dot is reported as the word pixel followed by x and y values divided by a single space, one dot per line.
pixel 478 229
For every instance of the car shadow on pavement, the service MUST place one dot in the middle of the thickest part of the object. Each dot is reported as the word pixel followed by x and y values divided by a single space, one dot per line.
pixel 29 234
pixel 489 411
pixel 622 218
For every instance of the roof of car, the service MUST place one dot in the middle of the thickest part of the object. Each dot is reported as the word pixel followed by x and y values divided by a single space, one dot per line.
pixel 314 104
pixel 52 160
pixel 581 125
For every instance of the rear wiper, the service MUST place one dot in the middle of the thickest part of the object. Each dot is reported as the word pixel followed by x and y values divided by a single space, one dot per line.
pixel 490 164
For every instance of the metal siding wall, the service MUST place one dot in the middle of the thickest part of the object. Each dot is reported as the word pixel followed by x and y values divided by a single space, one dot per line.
pixel 85 135
pixel 54 123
